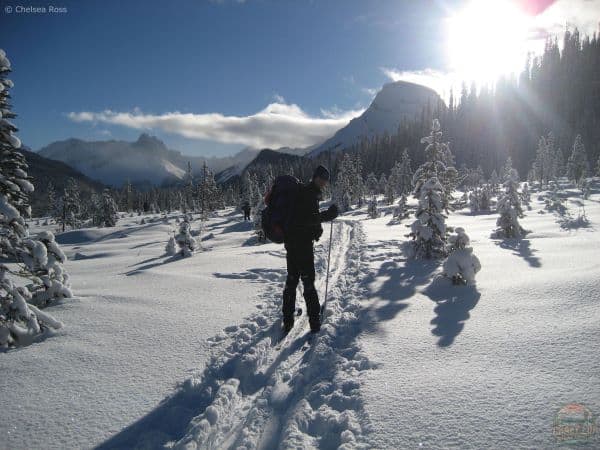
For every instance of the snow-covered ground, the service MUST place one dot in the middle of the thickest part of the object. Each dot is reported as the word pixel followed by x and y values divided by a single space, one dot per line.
pixel 186 352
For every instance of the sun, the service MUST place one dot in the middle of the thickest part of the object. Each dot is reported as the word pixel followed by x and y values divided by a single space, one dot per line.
pixel 487 39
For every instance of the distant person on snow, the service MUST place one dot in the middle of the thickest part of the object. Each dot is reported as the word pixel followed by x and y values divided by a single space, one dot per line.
pixel 304 228
pixel 246 209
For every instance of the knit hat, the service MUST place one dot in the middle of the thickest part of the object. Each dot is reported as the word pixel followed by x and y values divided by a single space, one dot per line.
pixel 322 173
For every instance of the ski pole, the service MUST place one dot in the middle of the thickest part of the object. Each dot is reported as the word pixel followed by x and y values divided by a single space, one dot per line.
pixel 328 261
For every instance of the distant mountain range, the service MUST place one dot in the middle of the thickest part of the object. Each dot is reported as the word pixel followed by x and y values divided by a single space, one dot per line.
pixel 149 162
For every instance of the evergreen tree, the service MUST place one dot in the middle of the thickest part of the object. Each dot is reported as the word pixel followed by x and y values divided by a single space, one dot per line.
pixel 438 165
pixel 428 231
pixel 37 277
pixel 509 208
pixel 400 180
pixel 461 264
pixel 372 184
pixel 578 166
pixel 108 212
pixel 186 242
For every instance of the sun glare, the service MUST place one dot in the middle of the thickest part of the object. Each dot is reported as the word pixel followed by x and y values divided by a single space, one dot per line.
pixel 487 39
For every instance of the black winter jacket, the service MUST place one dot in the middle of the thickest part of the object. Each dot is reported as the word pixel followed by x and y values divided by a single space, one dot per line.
pixel 305 224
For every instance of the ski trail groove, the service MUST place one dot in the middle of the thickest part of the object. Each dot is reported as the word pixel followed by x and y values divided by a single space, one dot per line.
pixel 305 394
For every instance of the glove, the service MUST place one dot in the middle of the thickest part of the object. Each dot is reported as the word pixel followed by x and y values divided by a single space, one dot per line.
pixel 332 212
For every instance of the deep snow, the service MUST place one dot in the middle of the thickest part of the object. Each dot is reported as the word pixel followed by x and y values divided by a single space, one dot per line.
pixel 186 352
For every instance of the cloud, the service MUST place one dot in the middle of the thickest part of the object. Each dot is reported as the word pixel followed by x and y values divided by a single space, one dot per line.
pixel 583 14
pixel 440 81
pixel 278 125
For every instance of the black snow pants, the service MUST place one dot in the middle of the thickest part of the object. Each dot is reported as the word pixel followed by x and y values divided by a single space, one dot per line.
pixel 300 266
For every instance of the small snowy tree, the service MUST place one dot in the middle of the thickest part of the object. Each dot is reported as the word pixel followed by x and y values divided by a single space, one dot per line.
pixel 428 231
pixel 474 201
pixel 372 208
pixel 494 182
pixel 171 247
pixel 400 209
pixel 553 201
pixel 186 242
pixel 509 208
pixel 578 166
pixel 461 264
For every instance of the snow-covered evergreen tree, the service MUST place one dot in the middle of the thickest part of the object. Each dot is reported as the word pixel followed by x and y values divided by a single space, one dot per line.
pixel 372 208
pixel 461 264
pixel 439 165
pixel 509 208
pixel 549 161
pixel 186 242
pixel 400 179
pixel 349 186
pixel 38 276
pixel 372 184
pixel 400 211
pixel 382 183
pixel 108 210
pixel 70 212
pixel 428 231
pixel 171 247
pixel 578 166
pixel 474 201
pixel 494 182
pixel 553 201
pixel 209 195
pixel 525 195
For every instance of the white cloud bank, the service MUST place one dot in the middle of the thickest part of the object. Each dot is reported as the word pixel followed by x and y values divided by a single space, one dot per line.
pixel 278 125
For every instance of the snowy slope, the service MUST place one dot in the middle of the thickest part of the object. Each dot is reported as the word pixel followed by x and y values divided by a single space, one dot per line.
pixel 395 101
pixel 187 353
pixel 484 367
pixel 141 324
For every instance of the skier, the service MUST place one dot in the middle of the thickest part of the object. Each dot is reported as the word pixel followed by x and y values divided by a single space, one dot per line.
pixel 305 227
pixel 246 209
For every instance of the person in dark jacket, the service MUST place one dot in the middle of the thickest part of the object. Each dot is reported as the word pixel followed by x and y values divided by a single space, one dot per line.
pixel 305 227
pixel 246 209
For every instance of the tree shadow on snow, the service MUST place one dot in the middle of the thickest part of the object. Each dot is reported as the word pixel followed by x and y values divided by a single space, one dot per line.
pixel 452 309
pixel 522 248
pixel 145 267
pixel 238 227
pixel 401 283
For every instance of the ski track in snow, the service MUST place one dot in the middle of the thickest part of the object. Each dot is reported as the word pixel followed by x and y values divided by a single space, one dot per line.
pixel 260 392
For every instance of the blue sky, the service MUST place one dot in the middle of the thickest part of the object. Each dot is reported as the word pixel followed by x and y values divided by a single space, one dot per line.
pixel 113 69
